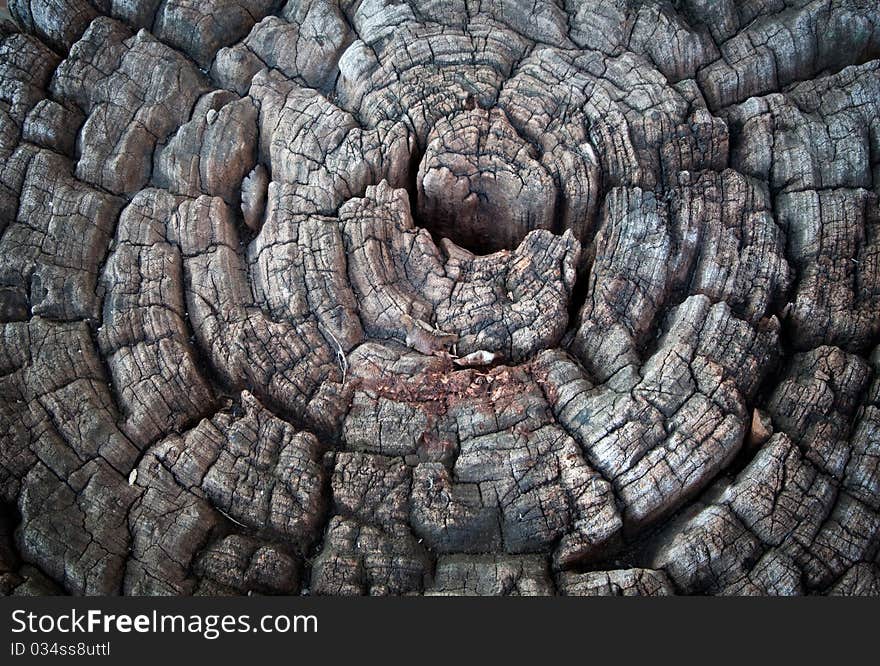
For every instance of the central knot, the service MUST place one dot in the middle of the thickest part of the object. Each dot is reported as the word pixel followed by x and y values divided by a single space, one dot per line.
pixel 481 185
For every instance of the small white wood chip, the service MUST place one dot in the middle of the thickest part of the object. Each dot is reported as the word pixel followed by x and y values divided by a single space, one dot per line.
pixel 479 357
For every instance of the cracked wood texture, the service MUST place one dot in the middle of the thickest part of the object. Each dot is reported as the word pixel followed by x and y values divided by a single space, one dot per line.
pixel 487 298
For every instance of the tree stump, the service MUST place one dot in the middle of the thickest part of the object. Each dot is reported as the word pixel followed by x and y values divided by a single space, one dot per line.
pixel 374 297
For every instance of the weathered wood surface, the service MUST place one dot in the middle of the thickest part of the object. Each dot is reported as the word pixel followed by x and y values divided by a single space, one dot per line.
pixel 369 297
